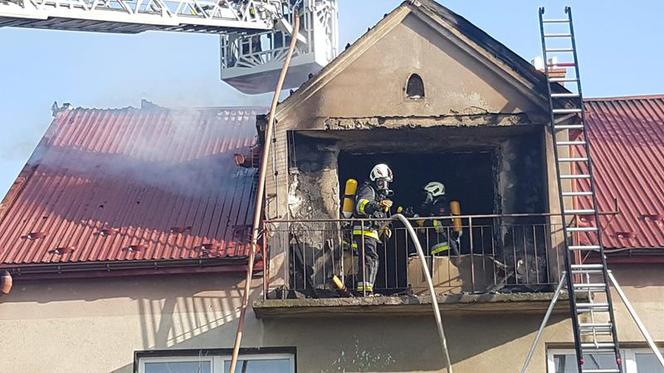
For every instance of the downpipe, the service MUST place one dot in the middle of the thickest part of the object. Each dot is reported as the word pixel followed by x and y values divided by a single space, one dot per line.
pixel 260 192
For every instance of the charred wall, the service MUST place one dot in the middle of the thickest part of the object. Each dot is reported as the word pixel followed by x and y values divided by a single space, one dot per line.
pixel 313 194
pixel 496 170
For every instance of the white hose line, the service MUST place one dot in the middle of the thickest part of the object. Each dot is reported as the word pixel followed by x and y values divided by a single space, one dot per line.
pixel 637 320
pixel 260 192
pixel 432 291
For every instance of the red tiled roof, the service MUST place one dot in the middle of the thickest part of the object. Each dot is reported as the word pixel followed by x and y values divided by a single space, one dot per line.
pixel 627 147
pixel 133 185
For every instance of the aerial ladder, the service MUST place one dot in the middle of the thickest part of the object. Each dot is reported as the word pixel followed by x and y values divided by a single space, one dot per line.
pixel 254 34
pixel 587 277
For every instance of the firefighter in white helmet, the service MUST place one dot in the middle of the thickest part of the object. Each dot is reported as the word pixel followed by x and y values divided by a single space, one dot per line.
pixel 371 201
pixel 434 232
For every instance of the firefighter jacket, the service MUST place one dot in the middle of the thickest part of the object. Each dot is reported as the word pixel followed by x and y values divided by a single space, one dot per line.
pixel 434 208
pixel 367 206
pixel 431 208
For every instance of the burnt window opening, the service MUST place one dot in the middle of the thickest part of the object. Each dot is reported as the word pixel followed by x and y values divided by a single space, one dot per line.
pixel 415 87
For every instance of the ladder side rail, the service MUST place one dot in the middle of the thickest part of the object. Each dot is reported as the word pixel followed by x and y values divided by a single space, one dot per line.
pixel 170 15
pixel 598 233
pixel 568 265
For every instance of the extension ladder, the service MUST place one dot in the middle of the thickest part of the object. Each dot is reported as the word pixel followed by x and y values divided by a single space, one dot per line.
pixel 591 307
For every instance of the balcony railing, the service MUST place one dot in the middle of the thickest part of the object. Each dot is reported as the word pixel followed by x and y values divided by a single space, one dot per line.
pixel 487 254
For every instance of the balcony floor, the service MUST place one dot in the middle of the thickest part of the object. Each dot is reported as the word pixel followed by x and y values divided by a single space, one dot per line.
pixel 409 305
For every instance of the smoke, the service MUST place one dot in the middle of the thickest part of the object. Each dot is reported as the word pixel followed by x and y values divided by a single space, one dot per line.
pixel 183 152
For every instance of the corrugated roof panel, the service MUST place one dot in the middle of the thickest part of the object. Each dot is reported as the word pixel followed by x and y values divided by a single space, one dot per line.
pixel 627 146
pixel 133 185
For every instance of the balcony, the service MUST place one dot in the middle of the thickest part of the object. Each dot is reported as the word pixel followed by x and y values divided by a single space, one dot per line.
pixel 494 263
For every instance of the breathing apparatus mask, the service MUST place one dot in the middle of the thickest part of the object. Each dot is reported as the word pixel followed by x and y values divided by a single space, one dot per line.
pixel 383 186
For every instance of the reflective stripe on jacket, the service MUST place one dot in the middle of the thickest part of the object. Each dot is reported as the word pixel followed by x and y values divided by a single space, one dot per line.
pixel 364 286
pixel 439 248
pixel 358 231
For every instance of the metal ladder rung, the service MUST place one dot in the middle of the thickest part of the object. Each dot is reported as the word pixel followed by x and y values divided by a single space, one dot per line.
pixel 566 111
pixel 595 325
pixel 569 127
pixel 561 64
pixel 587 266
pixel 590 286
pixel 559 50
pixel 603 330
pixel 579 212
pixel 595 307
pixel 577 194
pixel 585 247
pixel 597 346
pixel 556 35
pixel 582 229
pixel 597 333
pixel 554 20
pixel 569 143
pixel 577 159
pixel 601 370
pixel 588 271
pixel 563 80
pixel 558 95
pixel 572 176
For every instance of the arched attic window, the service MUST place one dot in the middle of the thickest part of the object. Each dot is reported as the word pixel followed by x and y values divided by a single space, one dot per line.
pixel 415 87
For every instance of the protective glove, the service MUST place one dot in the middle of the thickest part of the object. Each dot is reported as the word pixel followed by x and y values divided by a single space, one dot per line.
pixel 405 211
pixel 386 204
pixel 387 232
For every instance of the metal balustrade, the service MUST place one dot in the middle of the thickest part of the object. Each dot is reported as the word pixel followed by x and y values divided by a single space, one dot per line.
pixel 492 253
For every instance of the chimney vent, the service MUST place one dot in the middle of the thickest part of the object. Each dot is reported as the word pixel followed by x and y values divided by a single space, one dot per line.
pixel 555 71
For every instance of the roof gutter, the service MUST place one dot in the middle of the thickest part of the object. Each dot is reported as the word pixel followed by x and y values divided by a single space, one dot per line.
pixel 118 269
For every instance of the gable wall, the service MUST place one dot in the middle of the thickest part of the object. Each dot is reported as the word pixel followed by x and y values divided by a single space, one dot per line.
pixel 373 85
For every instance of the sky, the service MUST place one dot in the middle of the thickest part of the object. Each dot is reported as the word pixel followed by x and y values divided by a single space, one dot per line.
pixel 619 45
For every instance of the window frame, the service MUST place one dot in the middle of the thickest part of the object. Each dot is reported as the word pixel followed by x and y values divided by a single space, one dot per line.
pixel 628 356
pixel 257 357
pixel 410 97
pixel 178 359
pixel 218 357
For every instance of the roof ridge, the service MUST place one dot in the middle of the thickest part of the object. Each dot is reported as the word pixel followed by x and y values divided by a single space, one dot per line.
pixel 164 108
pixel 628 97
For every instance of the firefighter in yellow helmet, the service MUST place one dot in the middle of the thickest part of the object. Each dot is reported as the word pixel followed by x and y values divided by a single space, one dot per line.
pixel 371 201
pixel 435 232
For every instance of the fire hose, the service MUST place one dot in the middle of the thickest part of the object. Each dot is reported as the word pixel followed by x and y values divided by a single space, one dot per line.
pixel 432 291
pixel 260 193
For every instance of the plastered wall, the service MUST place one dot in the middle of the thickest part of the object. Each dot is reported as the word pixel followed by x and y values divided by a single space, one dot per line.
pixel 96 325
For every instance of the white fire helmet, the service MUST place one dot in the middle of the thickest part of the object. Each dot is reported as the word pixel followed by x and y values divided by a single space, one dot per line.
pixel 381 171
pixel 435 188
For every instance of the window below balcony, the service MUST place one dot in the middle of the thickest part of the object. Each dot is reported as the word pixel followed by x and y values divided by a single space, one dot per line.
pixel 212 362
pixel 635 360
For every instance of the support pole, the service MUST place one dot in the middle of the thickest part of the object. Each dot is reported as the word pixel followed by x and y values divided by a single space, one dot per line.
pixel 636 319
pixel 544 322
pixel 260 192
pixel 432 291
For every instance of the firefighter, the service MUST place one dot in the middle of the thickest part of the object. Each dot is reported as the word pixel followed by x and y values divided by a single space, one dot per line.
pixel 434 232
pixel 371 201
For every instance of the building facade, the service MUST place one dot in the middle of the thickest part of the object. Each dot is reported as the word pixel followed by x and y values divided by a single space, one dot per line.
pixel 127 232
